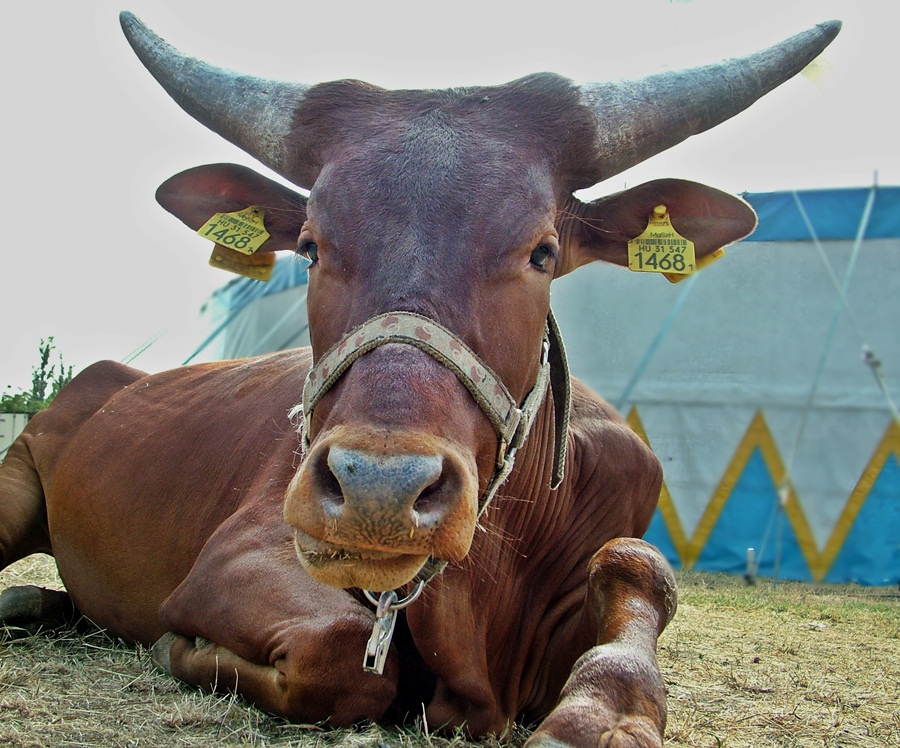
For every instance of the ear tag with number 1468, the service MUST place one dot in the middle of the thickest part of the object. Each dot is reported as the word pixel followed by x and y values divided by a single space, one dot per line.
pixel 243 231
pixel 661 249
pixel 238 236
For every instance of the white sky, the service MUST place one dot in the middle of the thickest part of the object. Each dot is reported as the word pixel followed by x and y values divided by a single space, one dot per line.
pixel 88 257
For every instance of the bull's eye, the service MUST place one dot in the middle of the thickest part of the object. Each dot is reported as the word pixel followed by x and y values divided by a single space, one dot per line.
pixel 309 250
pixel 540 255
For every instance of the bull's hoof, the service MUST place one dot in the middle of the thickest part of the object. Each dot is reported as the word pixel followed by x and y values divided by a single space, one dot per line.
pixel 160 651
pixel 545 741
pixel 30 608
pixel 20 604
pixel 631 733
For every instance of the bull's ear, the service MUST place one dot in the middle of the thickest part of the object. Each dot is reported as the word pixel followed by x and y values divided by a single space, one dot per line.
pixel 600 230
pixel 195 195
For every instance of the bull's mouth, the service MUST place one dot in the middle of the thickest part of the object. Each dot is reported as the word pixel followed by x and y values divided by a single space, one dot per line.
pixel 363 568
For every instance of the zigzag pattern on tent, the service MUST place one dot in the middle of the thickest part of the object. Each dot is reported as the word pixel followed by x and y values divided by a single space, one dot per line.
pixel 742 505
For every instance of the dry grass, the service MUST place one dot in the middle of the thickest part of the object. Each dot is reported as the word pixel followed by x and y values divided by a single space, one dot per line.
pixel 785 665
pixel 792 665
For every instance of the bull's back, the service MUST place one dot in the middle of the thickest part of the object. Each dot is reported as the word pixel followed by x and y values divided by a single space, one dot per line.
pixel 150 475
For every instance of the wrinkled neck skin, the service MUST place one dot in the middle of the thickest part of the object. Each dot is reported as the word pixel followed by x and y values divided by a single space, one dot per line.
pixel 528 555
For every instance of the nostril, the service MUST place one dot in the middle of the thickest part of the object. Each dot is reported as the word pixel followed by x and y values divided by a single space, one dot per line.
pixel 428 499
pixel 355 482
pixel 331 488
pixel 329 485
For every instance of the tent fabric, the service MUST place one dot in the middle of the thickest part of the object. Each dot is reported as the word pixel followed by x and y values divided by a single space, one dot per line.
pixel 772 431
pixel 288 273
pixel 247 317
pixel 735 376
pixel 834 214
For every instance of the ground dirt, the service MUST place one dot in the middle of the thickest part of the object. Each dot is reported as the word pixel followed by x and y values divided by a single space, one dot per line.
pixel 766 665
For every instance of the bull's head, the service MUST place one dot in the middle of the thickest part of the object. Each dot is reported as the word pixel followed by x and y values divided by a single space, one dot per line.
pixel 449 212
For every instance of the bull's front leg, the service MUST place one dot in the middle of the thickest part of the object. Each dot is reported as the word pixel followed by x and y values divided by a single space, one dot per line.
pixel 615 695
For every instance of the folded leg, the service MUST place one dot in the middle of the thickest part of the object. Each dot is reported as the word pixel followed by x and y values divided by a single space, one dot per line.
pixel 248 619
pixel 615 695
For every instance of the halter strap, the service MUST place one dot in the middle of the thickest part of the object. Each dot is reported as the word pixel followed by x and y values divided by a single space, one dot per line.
pixel 437 341
pixel 511 422
pixel 561 387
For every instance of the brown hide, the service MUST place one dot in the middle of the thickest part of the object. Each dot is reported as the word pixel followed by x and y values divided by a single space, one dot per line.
pixel 127 532
pixel 153 483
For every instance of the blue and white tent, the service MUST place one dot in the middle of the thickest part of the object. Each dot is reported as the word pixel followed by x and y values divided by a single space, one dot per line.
pixel 763 383
pixel 749 382
pixel 247 317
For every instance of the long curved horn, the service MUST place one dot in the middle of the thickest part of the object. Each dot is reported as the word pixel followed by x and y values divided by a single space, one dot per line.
pixel 639 118
pixel 255 114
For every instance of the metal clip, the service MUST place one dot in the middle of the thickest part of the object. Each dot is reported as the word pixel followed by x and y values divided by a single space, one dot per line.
pixel 382 633
pixel 386 607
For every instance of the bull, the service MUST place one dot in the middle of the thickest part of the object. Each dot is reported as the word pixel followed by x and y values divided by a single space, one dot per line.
pixel 423 510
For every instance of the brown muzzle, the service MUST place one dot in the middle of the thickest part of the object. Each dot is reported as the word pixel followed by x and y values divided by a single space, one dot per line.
pixel 369 508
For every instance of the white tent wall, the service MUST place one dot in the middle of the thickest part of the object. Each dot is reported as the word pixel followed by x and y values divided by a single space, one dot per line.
pixel 747 380
pixel 11 425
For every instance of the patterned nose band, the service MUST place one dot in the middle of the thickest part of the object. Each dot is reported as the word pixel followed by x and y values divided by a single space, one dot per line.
pixel 511 422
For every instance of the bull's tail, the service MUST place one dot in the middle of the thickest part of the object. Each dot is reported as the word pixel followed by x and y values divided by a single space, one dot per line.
pixel 23 514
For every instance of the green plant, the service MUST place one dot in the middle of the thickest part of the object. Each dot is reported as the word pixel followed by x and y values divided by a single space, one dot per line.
pixel 46 381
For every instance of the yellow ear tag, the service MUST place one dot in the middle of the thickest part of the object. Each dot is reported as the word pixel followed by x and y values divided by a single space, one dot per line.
pixel 243 231
pixel 701 263
pixel 257 266
pixel 661 249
